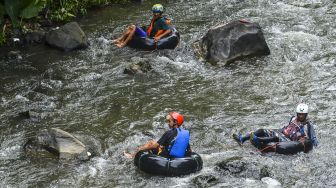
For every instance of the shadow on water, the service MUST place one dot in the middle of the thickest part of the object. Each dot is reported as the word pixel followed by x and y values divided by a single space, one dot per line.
pixel 86 93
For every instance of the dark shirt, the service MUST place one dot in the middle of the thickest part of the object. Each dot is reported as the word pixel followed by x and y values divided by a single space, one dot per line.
pixel 167 139
pixel 159 24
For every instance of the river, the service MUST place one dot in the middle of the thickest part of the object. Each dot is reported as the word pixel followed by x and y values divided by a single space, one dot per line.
pixel 86 93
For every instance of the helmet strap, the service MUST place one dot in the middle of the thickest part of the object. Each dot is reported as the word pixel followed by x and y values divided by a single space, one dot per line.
pixel 175 120
pixel 175 123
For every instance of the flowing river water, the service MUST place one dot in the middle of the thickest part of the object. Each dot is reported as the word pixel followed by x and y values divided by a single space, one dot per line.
pixel 86 93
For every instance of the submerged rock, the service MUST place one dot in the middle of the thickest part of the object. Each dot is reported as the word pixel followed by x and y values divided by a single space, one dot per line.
pixel 24 115
pixel 68 37
pixel 232 41
pixel 60 143
pixel 233 165
pixel 36 35
pixel 240 167
pixel 139 67
pixel 14 57
pixel 205 180
pixel 265 172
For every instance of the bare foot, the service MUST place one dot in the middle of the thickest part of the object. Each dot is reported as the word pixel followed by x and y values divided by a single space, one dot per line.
pixel 115 41
pixel 128 155
pixel 121 44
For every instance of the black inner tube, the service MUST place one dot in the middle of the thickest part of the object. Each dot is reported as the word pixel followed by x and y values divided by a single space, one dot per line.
pixel 158 165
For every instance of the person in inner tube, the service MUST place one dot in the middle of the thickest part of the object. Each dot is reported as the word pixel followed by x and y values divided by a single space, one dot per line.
pixel 174 143
pixel 157 29
pixel 299 127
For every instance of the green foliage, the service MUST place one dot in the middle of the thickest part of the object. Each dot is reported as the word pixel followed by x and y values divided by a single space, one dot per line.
pixel 23 9
pixel 2 31
pixel 65 10
pixel 2 12
pixel 58 10
pixel 33 8
pixel 12 8
pixel 2 38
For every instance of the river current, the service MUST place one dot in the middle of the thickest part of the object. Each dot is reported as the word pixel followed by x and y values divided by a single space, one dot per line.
pixel 87 94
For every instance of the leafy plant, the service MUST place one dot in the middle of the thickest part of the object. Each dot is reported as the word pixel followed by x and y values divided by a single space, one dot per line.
pixel 2 12
pixel 62 10
pixel 23 9
pixel 12 8
pixel 2 38
pixel 32 8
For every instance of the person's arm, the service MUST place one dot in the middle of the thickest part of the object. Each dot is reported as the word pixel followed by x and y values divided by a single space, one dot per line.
pixel 311 133
pixel 152 144
pixel 166 32
pixel 163 27
pixel 189 148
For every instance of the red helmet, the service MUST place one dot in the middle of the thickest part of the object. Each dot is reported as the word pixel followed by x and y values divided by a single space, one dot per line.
pixel 179 119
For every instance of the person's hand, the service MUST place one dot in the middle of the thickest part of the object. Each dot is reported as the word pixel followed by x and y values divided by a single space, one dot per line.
pixel 121 44
pixel 298 134
pixel 156 39
pixel 128 155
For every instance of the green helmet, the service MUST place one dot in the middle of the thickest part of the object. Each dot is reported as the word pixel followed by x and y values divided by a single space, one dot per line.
pixel 157 8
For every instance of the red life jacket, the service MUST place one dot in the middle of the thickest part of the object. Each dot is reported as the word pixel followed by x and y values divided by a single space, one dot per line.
pixel 294 130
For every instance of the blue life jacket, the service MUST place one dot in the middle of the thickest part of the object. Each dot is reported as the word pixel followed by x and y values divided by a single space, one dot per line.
pixel 179 147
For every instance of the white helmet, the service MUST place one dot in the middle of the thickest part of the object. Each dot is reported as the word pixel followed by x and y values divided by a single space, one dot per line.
pixel 302 108
pixel 157 8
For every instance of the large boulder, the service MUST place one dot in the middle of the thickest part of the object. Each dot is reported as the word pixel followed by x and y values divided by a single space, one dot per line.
pixel 60 143
pixel 68 37
pixel 232 41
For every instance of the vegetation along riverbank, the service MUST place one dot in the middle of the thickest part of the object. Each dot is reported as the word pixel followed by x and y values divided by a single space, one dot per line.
pixel 19 17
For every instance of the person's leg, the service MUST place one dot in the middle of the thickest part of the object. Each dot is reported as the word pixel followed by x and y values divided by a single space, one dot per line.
pixel 127 37
pixel 240 138
pixel 253 136
pixel 266 140
pixel 149 144
pixel 263 137
pixel 124 35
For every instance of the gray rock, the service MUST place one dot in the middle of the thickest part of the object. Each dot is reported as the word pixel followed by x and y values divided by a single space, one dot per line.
pixel 265 172
pixel 60 143
pixel 140 67
pixel 24 115
pixel 233 165
pixel 239 167
pixel 14 57
pixel 68 37
pixel 35 37
pixel 227 43
pixel 205 180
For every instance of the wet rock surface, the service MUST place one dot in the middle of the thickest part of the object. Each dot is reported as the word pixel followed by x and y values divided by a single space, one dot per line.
pixel 60 143
pixel 205 180
pixel 232 41
pixel 142 66
pixel 240 167
pixel 67 37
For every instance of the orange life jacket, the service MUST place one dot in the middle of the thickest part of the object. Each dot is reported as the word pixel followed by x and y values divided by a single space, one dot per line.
pixel 160 31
